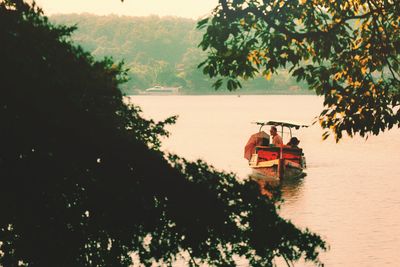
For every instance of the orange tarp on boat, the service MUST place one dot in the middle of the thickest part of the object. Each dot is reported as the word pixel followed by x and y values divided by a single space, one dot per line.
pixel 267 155
pixel 256 139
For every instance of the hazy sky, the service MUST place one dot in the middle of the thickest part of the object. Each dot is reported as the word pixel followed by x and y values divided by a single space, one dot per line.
pixel 181 8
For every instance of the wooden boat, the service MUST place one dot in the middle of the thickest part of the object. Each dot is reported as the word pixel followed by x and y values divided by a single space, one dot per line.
pixel 273 163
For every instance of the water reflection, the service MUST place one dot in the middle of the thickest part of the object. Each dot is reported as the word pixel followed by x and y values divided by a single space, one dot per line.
pixel 292 188
pixel 288 189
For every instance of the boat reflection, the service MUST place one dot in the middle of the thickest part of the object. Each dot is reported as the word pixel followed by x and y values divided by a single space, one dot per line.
pixel 291 188
pixel 286 189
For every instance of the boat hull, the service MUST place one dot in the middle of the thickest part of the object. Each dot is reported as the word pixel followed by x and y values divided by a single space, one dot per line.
pixel 275 170
pixel 160 90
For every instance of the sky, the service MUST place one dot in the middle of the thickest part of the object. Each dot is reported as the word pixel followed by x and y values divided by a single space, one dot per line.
pixel 181 8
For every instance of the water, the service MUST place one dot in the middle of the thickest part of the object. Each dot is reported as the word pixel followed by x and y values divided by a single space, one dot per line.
pixel 351 194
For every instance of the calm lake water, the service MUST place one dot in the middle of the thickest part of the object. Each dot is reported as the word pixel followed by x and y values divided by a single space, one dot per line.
pixel 351 194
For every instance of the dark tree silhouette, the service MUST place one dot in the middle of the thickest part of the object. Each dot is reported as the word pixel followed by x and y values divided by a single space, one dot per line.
pixel 347 51
pixel 83 181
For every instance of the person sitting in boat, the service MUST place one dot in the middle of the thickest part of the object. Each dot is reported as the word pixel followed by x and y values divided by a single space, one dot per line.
pixel 276 138
pixel 294 142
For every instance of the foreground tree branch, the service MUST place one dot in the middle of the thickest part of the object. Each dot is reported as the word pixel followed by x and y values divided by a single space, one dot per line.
pixel 346 51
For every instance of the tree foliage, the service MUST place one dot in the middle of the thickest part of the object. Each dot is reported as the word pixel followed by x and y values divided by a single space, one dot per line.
pixel 152 47
pixel 346 50
pixel 160 51
pixel 84 183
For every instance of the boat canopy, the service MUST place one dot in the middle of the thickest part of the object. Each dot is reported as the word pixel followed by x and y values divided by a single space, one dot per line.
pixel 281 123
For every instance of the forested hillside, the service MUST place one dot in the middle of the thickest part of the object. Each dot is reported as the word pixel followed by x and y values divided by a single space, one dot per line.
pixel 160 51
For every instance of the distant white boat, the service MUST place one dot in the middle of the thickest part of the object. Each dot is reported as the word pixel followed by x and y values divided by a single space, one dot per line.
pixel 161 90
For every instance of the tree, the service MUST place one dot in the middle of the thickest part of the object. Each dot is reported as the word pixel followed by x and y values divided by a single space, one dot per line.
pixel 347 51
pixel 83 181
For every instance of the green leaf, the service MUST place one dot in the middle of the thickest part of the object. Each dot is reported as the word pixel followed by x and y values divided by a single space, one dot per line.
pixel 202 23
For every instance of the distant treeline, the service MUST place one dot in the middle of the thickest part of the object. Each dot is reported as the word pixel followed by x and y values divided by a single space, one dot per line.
pixel 161 51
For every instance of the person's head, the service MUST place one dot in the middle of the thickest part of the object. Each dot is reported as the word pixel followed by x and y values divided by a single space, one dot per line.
pixel 293 142
pixel 273 131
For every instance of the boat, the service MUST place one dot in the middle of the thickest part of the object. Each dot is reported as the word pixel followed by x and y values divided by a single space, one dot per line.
pixel 161 90
pixel 273 163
